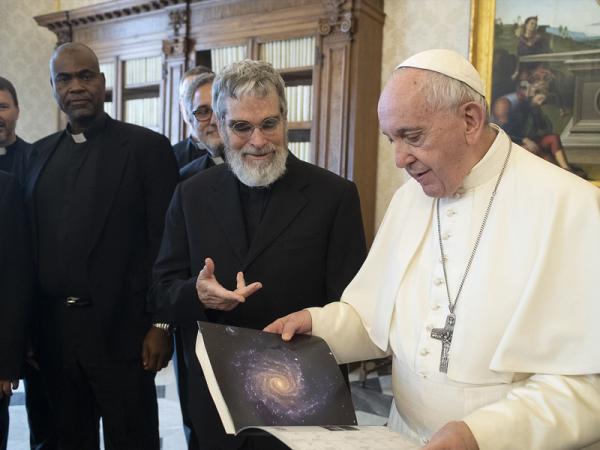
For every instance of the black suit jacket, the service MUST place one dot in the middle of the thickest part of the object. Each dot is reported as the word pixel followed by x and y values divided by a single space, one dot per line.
pixel 186 151
pixel 134 180
pixel 15 278
pixel 308 247
pixel 196 166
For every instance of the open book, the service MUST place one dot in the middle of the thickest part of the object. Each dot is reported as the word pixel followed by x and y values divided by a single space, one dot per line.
pixel 293 390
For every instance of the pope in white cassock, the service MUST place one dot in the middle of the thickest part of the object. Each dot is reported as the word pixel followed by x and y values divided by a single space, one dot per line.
pixel 483 281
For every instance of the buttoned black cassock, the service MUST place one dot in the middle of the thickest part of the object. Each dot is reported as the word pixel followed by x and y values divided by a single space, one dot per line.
pixel 307 247
pixel 113 210
pixel 15 287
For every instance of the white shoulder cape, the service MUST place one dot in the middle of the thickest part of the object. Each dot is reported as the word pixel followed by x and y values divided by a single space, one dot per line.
pixel 532 303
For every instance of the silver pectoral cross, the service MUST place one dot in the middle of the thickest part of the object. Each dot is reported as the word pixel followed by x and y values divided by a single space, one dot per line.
pixel 445 335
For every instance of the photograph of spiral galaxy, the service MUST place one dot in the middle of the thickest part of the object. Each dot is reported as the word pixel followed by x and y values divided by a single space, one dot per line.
pixel 268 382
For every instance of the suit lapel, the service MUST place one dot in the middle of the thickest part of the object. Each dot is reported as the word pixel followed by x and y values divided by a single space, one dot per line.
pixel 39 159
pixel 112 157
pixel 287 200
pixel 227 210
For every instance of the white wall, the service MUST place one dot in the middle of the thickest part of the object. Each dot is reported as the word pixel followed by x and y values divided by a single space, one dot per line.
pixel 25 50
pixel 410 27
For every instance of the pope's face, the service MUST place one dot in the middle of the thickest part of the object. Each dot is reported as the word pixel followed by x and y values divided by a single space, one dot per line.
pixel 9 113
pixel 430 145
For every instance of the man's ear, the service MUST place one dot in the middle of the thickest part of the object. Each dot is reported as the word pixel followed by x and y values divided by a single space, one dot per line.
pixel 474 116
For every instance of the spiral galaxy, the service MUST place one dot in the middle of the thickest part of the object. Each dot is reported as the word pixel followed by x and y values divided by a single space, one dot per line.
pixel 274 383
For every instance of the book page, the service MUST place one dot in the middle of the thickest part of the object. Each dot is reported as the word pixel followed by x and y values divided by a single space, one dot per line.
pixel 213 386
pixel 342 437
pixel 257 379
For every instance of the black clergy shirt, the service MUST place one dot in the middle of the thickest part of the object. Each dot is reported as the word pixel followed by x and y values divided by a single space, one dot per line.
pixel 14 159
pixel 64 205
pixel 254 203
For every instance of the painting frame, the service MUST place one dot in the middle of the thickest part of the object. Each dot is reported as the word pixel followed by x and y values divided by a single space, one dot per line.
pixel 481 55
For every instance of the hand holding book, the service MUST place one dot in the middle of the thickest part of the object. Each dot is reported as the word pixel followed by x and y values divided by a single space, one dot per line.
pixel 299 322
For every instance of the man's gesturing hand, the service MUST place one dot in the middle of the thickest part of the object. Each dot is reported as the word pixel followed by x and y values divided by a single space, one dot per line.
pixel 214 296
pixel 299 322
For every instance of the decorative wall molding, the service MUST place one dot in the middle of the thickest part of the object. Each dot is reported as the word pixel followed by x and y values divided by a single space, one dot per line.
pixel 339 18
pixel 64 22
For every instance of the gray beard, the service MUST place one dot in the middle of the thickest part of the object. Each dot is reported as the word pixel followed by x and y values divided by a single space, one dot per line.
pixel 256 175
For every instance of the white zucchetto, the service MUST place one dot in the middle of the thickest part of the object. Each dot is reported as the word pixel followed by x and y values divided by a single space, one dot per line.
pixel 449 63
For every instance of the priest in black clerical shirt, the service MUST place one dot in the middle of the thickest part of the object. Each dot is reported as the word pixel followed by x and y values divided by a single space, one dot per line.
pixel 202 150
pixel 204 135
pixel 15 293
pixel 191 148
pixel 96 194
pixel 254 238
pixel 15 325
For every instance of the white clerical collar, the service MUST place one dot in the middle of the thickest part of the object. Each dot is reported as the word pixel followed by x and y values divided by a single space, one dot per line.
pixel 217 160
pixel 491 163
pixel 2 151
pixel 78 138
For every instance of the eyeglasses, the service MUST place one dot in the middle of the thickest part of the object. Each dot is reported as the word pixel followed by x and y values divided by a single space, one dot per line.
pixel 244 129
pixel 202 113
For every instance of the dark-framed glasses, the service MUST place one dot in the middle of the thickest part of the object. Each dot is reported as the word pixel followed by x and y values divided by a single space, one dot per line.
pixel 244 129
pixel 202 113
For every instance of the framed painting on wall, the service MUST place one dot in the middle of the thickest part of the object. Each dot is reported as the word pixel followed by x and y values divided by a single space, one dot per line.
pixel 541 63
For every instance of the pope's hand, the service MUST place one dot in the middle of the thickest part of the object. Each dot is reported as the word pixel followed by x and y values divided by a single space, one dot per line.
pixel 453 436
pixel 214 296
pixel 299 322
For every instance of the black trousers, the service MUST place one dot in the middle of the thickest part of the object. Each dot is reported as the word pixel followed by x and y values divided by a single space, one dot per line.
pixel 42 435
pixel 4 422
pixel 85 384
pixel 180 366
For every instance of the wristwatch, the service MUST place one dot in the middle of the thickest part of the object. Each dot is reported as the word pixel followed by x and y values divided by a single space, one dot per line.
pixel 167 328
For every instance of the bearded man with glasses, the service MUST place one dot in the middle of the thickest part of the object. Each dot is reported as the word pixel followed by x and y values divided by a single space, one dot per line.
pixel 255 238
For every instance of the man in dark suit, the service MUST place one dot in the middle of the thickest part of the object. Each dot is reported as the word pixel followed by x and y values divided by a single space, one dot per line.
pixel 290 229
pixel 15 293
pixel 14 153
pixel 190 148
pixel 196 104
pixel 96 195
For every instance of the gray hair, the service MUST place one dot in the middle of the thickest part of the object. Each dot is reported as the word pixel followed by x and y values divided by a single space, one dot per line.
pixel 247 77
pixel 443 93
pixel 195 84
pixel 193 72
